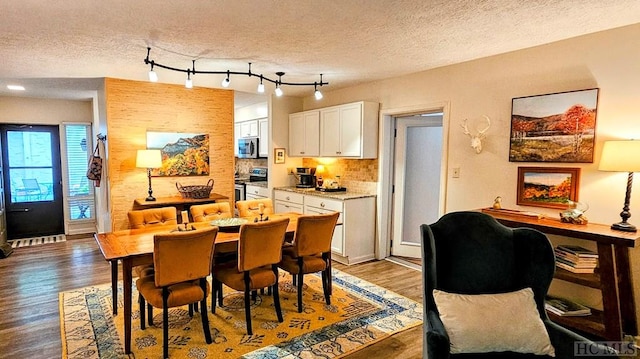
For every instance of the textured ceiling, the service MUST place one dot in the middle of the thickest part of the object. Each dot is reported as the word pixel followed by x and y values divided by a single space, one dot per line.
pixel 53 46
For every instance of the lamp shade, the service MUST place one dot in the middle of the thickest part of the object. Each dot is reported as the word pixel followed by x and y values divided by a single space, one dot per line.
pixel 149 159
pixel 620 156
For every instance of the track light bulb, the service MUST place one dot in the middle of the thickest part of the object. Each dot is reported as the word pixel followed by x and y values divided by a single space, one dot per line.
pixel 153 76
pixel 318 95
pixel 189 83
pixel 261 86
pixel 225 82
pixel 278 91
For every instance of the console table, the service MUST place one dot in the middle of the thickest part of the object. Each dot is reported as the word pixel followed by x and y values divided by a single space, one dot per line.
pixel 181 204
pixel 612 278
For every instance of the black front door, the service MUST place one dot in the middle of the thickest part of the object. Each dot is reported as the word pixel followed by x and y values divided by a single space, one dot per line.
pixel 33 180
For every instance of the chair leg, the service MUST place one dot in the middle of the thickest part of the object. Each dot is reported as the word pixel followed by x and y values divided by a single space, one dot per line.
pixel 214 290
pixel 220 293
pixel 149 314
pixel 191 310
pixel 165 323
pixel 327 258
pixel 203 311
pixel 276 295
pixel 247 302
pixel 300 283
pixel 141 304
pixel 326 286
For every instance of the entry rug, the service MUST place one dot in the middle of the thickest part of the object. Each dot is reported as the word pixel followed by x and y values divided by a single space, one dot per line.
pixel 26 242
pixel 360 314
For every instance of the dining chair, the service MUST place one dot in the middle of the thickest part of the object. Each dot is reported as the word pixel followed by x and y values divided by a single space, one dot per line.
pixel 310 251
pixel 259 251
pixel 144 218
pixel 251 207
pixel 210 211
pixel 182 261
pixel 151 217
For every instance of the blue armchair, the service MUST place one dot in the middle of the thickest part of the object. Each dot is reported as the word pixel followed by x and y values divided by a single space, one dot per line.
pixel 470 253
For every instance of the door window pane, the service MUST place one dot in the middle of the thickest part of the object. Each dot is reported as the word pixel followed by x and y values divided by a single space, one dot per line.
pixel 30 166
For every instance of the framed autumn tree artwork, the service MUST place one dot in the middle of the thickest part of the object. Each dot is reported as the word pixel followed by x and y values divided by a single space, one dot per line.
pixel 551 187
pixel 557 127
pixel 183 154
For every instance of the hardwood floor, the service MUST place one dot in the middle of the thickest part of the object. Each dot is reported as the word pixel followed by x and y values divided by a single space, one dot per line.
pixel 32 277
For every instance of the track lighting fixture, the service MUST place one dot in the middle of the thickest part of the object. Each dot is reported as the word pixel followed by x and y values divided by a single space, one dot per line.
pixel 189 83
pixel 317 92
pixel 260 86
pixel 225 82
pixel 153 77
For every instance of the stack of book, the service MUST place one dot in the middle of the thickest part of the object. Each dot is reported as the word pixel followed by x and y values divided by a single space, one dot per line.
pixel 576 259
pixel 565 307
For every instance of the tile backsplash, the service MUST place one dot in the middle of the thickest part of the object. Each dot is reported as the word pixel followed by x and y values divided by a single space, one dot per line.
pixel 243 165
pixel 356 175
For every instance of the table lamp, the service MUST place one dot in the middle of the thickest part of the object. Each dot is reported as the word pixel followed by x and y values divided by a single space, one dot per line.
pixel 149 159
pixel 622 156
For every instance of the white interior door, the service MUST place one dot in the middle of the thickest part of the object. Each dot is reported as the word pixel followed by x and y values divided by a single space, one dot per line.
pixel 417 166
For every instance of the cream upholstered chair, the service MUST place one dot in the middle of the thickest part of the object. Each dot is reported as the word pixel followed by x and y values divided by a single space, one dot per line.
pixel 210 211
pixel 182 261
pixel 152 217
pixel 251 207
pixel 259 251
pixel 310 251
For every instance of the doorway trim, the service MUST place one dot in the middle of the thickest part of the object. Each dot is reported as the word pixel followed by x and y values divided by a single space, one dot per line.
pixel 386 165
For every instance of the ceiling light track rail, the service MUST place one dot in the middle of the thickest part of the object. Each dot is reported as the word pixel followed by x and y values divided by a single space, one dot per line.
pixel 153 77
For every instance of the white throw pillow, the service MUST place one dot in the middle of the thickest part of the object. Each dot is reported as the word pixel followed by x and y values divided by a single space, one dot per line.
pixel 493 322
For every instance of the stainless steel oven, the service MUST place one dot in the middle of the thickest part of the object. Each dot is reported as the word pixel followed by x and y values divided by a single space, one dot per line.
pixel 241 193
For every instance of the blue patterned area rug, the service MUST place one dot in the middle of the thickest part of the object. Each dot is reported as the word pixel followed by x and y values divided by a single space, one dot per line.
pixel 360 314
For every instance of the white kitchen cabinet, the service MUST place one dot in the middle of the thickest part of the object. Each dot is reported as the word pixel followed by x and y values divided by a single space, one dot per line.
pixel 237 131
pixel 354 236
pixel 249 129
pixel 304 129
pixel 285 201
pixel 349 130
pixel 263 137
pixel 256 192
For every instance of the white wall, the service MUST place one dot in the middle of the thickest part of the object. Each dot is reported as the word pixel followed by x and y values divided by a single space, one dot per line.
pixel 36 111
pixel 607 60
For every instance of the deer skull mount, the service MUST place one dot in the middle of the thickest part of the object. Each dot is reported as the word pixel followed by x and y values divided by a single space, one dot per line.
pixel 476 140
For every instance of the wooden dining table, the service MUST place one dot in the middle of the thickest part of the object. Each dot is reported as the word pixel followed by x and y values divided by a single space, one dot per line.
pixel 134 247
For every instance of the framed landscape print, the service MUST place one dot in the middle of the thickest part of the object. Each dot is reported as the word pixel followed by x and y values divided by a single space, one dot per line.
pixel 183 154
pixel 557 127
pixel 547 186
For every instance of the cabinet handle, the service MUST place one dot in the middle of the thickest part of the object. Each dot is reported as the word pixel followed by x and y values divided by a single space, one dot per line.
pixel 322 204
pixel 287 198
pixel 256 192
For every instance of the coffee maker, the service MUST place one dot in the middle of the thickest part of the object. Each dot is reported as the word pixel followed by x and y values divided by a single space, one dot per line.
pixel 306 177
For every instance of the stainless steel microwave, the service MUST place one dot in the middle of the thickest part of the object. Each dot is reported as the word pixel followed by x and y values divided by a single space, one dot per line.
pixel 248 147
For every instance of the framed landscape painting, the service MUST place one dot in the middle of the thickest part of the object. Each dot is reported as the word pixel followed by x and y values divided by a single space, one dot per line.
pixel 183 154
pixel 549 187
pixel 557 127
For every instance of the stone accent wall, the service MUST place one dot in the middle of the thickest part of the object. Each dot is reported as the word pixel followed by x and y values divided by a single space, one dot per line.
pixel 356 175
pixel 133 108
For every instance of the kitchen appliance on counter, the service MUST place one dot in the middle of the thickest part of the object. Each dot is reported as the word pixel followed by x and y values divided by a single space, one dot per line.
pixel 306 177
pixel 256 174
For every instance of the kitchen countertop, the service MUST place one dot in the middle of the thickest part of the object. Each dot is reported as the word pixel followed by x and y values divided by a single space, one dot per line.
pixel 335 195
pixel 263 184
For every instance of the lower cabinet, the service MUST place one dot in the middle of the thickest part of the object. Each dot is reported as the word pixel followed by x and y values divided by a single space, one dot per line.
pixel 256 192
pixel 354 236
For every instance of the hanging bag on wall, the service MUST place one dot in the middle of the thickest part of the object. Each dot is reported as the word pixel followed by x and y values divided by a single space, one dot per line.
pixel 94 170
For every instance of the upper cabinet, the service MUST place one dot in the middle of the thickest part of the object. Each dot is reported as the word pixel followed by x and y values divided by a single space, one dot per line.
pixel 304 129
pixel 263 135
pixel 349 130
pixel 248 128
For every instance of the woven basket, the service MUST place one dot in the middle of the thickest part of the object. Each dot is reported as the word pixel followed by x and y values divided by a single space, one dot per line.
pixel 195 191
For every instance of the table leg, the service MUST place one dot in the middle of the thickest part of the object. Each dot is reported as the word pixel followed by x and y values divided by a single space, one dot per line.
pixel 127 282
pixel 114 285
